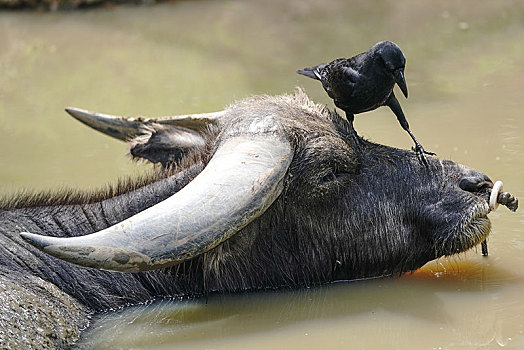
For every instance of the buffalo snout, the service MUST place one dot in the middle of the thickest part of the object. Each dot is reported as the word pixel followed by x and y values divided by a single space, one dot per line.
pixel 475 183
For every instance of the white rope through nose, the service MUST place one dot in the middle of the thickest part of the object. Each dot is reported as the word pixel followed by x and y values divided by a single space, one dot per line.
pixel 497 188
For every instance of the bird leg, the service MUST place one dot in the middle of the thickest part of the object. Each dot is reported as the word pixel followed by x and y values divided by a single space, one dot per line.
pixel 418 147
pixel 395 107
pixel 350 117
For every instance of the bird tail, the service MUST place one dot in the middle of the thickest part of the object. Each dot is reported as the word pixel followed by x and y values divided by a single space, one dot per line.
pixel 311 72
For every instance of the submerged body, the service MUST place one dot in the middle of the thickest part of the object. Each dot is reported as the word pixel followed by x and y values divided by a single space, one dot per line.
pixel 365 82
pixel 336 212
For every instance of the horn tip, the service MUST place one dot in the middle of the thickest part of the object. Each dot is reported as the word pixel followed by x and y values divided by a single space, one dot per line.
pixel 35 240
pixel 77 113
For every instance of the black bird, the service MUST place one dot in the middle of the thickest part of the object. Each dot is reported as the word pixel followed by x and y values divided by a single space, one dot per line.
pixel 365 82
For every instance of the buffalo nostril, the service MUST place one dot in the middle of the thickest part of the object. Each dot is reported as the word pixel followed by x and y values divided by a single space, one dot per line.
pixel 474 184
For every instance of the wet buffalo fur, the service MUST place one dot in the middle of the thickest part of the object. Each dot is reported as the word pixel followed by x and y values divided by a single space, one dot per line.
pixel 347 211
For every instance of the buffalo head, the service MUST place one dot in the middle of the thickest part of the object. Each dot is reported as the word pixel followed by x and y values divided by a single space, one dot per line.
pixel 285 197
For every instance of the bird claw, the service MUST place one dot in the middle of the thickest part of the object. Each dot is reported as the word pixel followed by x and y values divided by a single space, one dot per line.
pixel 422 158
pixel 354 135
pixel 421 152
pixel 418 149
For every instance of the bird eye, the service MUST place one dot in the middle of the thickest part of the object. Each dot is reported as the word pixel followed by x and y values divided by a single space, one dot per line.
pixel 389 65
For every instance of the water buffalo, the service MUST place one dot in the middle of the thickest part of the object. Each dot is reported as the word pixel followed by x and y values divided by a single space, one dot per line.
pixel 270 193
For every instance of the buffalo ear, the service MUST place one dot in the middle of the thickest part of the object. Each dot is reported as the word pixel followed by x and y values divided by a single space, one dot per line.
pixel 165 144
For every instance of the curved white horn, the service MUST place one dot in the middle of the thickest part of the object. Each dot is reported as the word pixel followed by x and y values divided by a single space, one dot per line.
pixel 125 128
pixel 240 182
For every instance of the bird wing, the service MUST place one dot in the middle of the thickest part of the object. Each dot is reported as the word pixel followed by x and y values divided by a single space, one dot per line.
pixel 350 74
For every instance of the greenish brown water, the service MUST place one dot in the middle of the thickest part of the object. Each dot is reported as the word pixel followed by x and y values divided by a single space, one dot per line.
pixel 465 74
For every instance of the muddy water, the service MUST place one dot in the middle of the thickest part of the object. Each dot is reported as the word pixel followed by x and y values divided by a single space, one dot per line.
pixel 465 74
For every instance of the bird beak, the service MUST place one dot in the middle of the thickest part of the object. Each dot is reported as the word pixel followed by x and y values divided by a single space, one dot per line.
pixel 401 82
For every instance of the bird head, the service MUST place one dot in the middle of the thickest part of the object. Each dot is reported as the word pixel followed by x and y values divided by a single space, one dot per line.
pixel 394 62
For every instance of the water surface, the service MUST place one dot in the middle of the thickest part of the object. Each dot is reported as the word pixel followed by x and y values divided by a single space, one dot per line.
pixel 465 74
